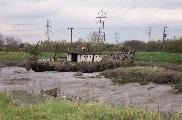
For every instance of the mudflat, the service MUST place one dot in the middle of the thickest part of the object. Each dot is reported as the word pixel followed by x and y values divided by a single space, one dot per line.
pixel 91 87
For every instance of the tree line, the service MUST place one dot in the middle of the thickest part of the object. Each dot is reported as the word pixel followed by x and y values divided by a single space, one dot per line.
pixel 10 44
pixel 174 46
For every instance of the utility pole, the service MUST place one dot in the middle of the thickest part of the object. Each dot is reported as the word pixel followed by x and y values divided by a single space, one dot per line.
pixel 101 22
pixel 150 32
pixel 48 26
pixel 71 29
pixel 174 38
pixel 116 36
pixel 164 38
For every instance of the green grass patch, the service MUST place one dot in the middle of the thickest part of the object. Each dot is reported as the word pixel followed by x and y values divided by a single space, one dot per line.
pixel 145 75
pixel 22 56
pixel 13 56
pixel 158 57
pixel 57 110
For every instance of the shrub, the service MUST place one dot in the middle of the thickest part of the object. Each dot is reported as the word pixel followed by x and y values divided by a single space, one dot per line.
pixel 144 75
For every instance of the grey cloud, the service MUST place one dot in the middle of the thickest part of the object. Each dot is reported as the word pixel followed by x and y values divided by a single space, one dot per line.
pixel 66 13
pixel 27 9
pixel 167 4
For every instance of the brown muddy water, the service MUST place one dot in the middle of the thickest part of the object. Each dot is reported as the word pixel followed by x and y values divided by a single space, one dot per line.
pixel 91 87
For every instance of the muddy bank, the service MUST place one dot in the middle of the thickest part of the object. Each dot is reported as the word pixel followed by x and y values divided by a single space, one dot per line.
pixel 12 63
pixel 91 87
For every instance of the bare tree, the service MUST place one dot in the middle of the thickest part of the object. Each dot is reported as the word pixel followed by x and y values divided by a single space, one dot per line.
pixel 1 42
pixel 12 44
pixel 95 37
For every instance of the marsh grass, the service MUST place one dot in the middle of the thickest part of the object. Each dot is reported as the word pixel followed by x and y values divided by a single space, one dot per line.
pixel 58 110
pixel 165 65
pixel 144 75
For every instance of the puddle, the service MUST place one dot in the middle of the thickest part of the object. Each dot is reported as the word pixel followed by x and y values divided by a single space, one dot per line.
pixel 91 87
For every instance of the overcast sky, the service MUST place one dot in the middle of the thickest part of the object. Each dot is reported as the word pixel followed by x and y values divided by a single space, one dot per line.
pixel 131 18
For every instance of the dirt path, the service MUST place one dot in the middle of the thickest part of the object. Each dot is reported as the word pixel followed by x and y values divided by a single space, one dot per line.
pixel 91 87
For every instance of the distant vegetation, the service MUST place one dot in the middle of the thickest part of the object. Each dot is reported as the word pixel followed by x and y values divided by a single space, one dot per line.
pixel 12 49
pixel 140 56
pixel 145 75
pixel 10 44
pixel 158 57
pixel 57 110
pixel 174 46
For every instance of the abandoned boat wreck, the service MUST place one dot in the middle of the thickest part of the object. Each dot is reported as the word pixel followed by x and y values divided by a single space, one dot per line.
pixel 69 62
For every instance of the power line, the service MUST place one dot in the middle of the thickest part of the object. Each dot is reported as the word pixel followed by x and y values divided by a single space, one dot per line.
pixel 84 28
pixel 133 5
pixel 18 30
pixel 96 28
pixel 21 24
pixel 25 30
pixel 27 24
